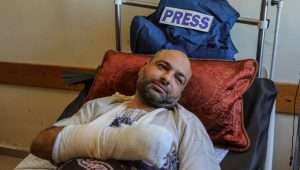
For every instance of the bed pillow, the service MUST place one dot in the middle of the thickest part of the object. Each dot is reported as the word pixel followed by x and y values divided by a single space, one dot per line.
pixel 214 93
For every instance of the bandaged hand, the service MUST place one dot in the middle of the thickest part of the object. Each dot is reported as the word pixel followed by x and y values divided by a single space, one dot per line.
pixel 150 143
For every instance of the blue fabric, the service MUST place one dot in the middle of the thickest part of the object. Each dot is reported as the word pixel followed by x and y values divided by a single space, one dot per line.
pixel 148 35
pixel 145 36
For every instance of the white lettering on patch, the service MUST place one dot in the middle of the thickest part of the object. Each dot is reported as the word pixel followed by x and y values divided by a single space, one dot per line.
pixel 186 19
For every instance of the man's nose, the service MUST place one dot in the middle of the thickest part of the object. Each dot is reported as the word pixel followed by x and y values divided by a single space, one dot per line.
pixel 166 78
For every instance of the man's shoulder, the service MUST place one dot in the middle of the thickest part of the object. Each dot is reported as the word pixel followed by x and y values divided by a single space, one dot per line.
pixel 93 109
pixel 188 117
pixel 114 99
pixel 186 114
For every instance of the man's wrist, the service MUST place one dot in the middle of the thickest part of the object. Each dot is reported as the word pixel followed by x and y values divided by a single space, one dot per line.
pixel 55 149
pixel 42 145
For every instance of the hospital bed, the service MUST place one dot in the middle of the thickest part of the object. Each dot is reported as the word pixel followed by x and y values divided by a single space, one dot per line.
pixel 248 160
pixel 262 159
pixel 259 100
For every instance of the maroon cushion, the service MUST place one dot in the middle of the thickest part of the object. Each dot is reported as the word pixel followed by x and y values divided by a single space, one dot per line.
pixel 214 93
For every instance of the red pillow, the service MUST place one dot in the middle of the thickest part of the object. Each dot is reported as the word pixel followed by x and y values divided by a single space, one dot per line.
pixel 214 93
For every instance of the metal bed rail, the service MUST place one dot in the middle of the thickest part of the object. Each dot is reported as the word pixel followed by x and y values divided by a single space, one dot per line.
pixel 261 23
pixel 243 20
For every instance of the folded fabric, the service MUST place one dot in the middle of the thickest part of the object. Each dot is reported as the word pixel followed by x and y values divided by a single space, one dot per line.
pixel 154 36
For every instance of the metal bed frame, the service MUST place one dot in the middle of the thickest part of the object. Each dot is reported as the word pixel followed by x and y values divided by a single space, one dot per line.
pixel 262 25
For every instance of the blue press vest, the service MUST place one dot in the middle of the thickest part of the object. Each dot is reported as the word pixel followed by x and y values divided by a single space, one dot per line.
pixel 148 35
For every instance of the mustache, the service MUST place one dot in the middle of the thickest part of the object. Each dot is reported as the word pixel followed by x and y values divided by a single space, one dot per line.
pixel 164 101
pixel 161 85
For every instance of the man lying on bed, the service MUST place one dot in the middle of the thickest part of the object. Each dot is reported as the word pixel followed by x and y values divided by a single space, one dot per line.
pixel 149 130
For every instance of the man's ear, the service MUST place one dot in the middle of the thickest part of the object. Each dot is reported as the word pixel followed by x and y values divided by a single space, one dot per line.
pixel 140 74
pixel 142 69
pixel 148 61
pixel 144 65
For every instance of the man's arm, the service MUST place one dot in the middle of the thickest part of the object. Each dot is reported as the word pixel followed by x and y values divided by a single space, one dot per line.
pixel 121 143
pixel 94 141
pixel 42 145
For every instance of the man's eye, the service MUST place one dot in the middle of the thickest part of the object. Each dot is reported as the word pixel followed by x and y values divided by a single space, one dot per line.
pixel 180 80
pixel 161 66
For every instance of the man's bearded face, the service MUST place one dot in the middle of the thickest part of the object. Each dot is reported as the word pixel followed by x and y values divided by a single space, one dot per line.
pixel 162 80
pixel 154 93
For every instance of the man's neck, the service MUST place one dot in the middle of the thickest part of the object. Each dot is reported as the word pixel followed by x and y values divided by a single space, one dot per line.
pixel 138 103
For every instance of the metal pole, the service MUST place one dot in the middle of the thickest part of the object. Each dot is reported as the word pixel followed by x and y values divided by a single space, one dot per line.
pixel 279 4
pixel 270 147
pixel 261 35
pixel 242 20
pixel 296 155
pixel 118 24
pixel 296 151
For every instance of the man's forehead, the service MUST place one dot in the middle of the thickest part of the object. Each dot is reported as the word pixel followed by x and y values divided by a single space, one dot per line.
pixel 170 53
pixel 175 58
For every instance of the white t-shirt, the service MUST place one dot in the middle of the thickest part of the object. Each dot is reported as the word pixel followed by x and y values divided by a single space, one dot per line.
pixel 193 149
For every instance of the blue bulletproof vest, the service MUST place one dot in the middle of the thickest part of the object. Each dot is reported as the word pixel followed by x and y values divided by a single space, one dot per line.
pixel 200 28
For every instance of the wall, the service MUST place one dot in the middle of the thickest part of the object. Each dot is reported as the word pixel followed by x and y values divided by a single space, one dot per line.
pixel 54 32
pixel 77 33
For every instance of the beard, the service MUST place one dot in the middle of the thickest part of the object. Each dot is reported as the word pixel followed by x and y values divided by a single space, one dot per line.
pixel 154 97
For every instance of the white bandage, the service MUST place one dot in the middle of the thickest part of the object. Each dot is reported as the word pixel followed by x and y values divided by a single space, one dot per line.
pixel 150 143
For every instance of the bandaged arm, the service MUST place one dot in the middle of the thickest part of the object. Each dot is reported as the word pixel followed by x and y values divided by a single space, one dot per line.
pixel 43 143
pixel 150 143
